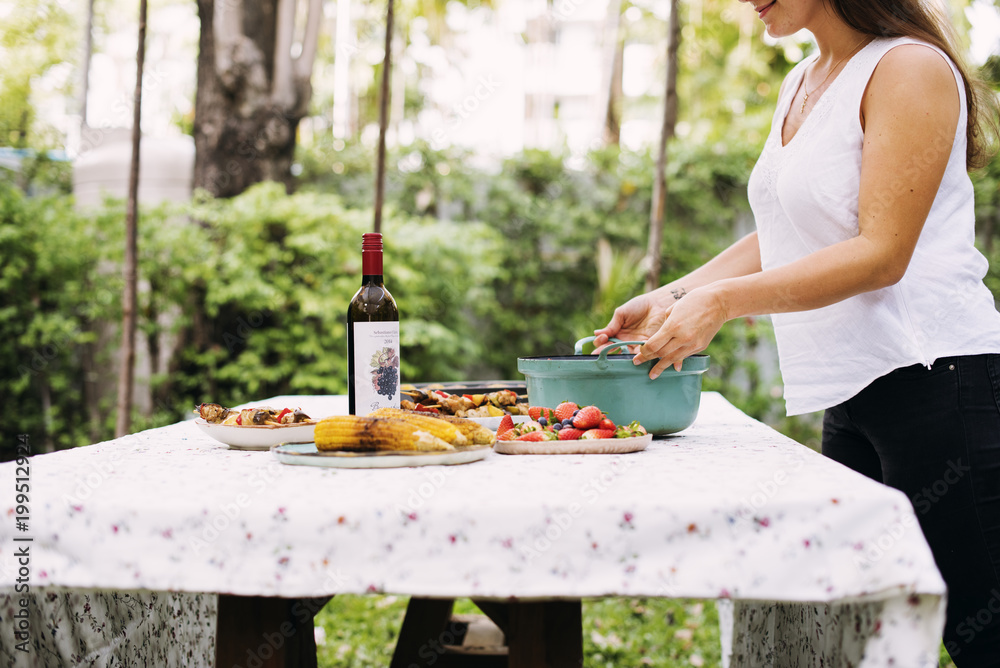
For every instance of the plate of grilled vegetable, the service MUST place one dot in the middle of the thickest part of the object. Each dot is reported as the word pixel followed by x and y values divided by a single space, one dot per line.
pixel 390 438
pixel 473 404
pixel 257 428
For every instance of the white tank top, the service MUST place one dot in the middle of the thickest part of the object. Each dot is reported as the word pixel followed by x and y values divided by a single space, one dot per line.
pixel 804 197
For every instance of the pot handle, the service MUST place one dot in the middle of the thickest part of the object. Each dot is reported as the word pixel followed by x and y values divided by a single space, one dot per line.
pixel 618 344
pixel 578 346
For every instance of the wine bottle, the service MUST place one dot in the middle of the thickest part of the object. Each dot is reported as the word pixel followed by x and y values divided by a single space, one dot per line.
pixel 372 337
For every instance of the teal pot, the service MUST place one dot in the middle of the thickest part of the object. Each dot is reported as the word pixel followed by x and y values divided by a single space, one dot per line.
pixel 617 386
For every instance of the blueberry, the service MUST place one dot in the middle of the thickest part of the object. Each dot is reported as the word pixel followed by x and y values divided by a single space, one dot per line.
pixel 568 422
pixel 575 412
pixel 557 426
pixel 542 421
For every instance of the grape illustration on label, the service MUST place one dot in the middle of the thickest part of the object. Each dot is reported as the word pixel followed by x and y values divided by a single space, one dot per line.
pixel 384 365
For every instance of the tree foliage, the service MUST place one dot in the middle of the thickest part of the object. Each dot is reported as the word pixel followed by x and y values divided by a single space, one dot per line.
pixel 54 294
pixel 35 36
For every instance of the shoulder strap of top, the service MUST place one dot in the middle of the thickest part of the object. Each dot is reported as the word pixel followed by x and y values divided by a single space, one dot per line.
pixel 871 55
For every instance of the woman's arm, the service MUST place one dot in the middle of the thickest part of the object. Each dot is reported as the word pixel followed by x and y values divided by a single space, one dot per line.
pixel 740 259
pixel 640 317
pixel 910 113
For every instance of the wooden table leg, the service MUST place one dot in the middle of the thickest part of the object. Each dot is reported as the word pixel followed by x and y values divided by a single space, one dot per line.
pixel 545 634
pixel 496 611
pixel 259 632
pixel 424 633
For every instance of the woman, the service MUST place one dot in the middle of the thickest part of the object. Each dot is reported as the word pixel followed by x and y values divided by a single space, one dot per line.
pixel 864 255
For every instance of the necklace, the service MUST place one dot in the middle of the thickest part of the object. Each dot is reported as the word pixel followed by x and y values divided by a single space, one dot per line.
pixel 833 69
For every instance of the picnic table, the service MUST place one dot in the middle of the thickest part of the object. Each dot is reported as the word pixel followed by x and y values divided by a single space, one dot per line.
pixel 166 548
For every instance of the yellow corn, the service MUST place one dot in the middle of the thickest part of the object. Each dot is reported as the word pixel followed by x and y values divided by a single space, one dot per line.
pixel 440 428
pixel 365 434
pixel 475 433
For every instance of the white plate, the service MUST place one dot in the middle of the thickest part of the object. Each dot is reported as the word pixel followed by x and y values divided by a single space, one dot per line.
pixel 494 422
pixel 592 446
pixel 257 436
pixel 306 454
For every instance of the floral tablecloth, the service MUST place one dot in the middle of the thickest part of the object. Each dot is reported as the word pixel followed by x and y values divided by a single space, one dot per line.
pixel 812 561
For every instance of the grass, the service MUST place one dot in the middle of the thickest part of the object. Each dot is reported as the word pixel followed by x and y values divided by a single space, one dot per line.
pixel 360 632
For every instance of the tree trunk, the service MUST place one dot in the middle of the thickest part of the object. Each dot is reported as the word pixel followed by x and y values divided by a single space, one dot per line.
pixel 612 52
pixel 131 246
pixel 658 206
pixel 88 48
pixel 613 116
pixel 988 227
pixel 341 72
pixel 151 314
pixel 48 442
pixel 383 119
pixel 614 30
pixel 251 92
pixel 91 389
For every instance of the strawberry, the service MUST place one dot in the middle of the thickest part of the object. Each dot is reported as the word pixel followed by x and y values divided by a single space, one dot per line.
pixel 588 417
pixel 569 434
pixel 598 433
pixel 633 429
pixel 565 410
pixel 506 424
pixel 535 436
pixel 606 423
pixel 535 412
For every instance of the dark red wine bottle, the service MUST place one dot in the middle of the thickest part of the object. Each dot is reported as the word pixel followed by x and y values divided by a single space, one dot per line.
pixel 372 337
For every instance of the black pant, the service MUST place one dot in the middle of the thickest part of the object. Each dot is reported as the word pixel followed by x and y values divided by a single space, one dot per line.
pixel 935 435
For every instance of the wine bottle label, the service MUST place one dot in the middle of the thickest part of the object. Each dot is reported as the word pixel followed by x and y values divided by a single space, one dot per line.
pixel 376 366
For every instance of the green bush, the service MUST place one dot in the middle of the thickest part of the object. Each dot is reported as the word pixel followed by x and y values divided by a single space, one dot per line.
pixel 239 299
pixel 53 300
pixel 267 303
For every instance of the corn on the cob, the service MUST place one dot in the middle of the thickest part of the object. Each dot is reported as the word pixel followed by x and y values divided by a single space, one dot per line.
pixel 443 430
pixel 366 434
pixel 475 433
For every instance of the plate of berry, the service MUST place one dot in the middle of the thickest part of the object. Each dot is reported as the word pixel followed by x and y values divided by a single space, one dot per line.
pixel 569 429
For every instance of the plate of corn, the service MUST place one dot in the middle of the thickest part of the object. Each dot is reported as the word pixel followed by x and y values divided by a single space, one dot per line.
pixel 390 437
pixel 306 454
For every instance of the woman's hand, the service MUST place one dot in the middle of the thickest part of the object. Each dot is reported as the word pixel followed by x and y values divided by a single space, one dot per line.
pixel 688 327
pixel 635 320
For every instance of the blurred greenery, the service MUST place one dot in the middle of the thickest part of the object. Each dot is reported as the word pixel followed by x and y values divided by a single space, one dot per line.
pixel 245 298
pixel 40 34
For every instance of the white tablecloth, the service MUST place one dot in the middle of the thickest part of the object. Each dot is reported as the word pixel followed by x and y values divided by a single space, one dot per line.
pixel 728 509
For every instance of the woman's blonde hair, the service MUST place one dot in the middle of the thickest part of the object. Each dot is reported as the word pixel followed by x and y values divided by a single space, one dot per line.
pixel 917 19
